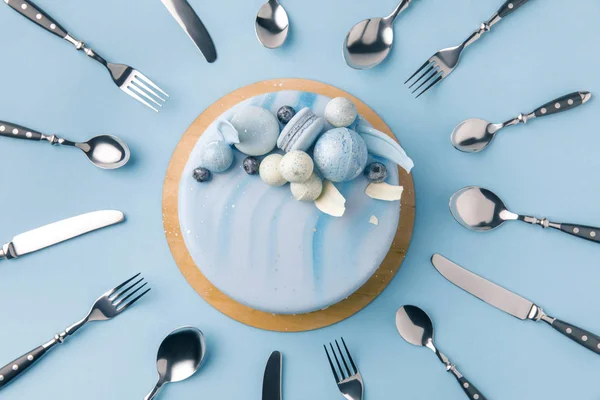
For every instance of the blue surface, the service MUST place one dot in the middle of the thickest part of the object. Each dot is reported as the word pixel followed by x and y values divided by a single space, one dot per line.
pixel 546 49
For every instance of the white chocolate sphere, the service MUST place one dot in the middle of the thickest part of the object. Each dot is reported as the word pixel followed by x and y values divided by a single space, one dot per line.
pixel 296 166
pixel 309 190
pixel 340 112
pixel 269 170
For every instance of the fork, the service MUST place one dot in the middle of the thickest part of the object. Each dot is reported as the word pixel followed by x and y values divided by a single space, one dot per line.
pixel 129 80
pixel 108 306
pixel 349 380
pixel 442 63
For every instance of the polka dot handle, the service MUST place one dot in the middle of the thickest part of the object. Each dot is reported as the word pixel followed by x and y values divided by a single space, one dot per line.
pixel 16 367
pixel 472 392
pixel 510 6
pixel 17 131
pixel 581 231
pixel 583 337
pixel 563 103
pixel 35 14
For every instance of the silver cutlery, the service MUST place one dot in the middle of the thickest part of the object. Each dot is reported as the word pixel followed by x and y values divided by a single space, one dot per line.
pixel 442 63
pixel 510 302
pixel 179 356
pixel 129 80
pixel 348 378
pixel 104 151
pixel 272 379
pixel 60 231
pixel 108 306
pixel 369 42
pixel 272 24
pixel 480 210
pixel 475 134
pixel 187 18
pixel 415 326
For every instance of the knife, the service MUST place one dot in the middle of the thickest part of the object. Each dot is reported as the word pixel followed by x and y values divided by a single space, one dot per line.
pixel 272 378
pixel 57 232
pixel 510 302
pixel 187 18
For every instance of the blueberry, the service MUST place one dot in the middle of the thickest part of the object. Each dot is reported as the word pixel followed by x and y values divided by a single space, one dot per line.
pixel 201 174
pixel 376 172
pixel 285 113
pixel 251 165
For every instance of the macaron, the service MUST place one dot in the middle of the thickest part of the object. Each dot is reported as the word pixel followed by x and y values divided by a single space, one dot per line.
pixel 301 132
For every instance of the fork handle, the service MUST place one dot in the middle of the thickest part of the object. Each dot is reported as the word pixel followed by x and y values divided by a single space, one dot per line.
pixel 563 103
pixel 17 367
pixel 509 7
pixel 35 14
pixel 9 129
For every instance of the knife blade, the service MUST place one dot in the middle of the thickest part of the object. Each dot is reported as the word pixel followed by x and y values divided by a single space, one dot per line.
pixel 272 377
pixel 60 231
pixel 187 18
pixel 510 302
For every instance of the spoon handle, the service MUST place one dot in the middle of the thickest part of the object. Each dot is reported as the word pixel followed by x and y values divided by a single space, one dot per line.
pixel 564 103
pixel 581 231
pixel 470 390
pixel 509 7
pixel 153 392
pixel 9 129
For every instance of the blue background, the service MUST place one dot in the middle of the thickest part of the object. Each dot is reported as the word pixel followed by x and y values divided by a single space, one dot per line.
pixel 549 167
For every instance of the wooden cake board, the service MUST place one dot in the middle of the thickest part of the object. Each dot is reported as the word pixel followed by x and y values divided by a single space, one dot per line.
pixel 244 314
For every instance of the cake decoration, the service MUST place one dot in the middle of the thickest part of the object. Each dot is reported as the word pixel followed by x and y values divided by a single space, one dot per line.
pixel 216 156
pixel 228 132
pixel 373 220
pixel 258 130
pixel 201 174
pixel 384 191
pixel 340 154
pixel 269 170
pixel 251 165
pixel 301 131
pixel 285 114
pixel 340 112
pixel 296 166
pixel 376 172
pixel 310 190
pixel 382 145
pixel 331 201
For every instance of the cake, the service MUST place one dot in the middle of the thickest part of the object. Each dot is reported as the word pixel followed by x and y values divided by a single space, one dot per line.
pixel 269 246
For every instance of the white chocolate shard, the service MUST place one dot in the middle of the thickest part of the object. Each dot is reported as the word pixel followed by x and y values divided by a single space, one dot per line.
pixel 384 191
pixel 374 220
pixel 331 200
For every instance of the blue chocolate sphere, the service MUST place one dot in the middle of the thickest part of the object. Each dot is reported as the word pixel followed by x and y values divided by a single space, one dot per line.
pixel 340 154
pixel 216 156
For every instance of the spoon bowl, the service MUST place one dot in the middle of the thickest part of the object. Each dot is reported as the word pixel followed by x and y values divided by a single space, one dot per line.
pixel 414 325
pixel 106 151
pixel 473 135
pixel 272 24
pixel 180 355
pixel 479 209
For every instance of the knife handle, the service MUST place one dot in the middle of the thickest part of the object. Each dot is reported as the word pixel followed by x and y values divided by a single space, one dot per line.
pixel 17 131
pixel 581 231
pixel 35 14
pixel 581 336
pixel 17 367
pixel 470 390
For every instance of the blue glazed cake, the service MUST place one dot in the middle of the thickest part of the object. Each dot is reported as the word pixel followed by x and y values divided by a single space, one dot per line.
pixel 263 248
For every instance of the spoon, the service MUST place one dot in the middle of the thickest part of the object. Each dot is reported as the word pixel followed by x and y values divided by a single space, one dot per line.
pixel 415 326
pixel 105 151
pixel 474 135
pixel 179 357
pixel 272 24
pixel 479 209
pixel 369 42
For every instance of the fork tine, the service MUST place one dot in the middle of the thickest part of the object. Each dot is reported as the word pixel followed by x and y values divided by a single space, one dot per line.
pixel 110 292
pixel 435 82
pixel 419 70
pixel 133 85
pixel 426 73
pixel 118 302
pixel 138 98
pixel 335 375
pixel 426 81
pixel 337 362
pixel 149 82
pixel 126 306
pixel 350 357
pixel 343 359
pixel 118 293
pixel 141 84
